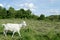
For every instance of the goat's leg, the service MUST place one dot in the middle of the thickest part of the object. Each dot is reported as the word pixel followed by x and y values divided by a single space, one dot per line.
pixel 19 33
pixel 5 32
pixel 13 33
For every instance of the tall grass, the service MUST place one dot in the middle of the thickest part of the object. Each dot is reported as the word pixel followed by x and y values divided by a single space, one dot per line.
pixel 35 30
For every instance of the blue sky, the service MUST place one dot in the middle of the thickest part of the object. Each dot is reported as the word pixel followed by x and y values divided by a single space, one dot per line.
pixel 46 7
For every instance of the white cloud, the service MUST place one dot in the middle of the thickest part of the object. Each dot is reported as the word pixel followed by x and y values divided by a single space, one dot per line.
pixel 17 8
pixel 50 12
pixel 25 8
pixel 21 5
pixel 8 6
pixel 26 4
pixel 54 11
pixel 1 5
pixel 53 1
pixel 30 6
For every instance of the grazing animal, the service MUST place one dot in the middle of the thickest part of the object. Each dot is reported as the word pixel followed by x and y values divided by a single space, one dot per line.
pixel 13 27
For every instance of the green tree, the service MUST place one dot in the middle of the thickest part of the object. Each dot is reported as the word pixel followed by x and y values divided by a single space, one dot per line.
pixel 53 17
pixel 11 13
pixel 3 12
pixel 42 17
pixel 23 13
pixel 59 17
pixel 28 14
pixel 20 13
pixel 34 16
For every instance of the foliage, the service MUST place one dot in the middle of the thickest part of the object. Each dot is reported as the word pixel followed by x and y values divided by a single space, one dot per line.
pixel 54 17
pixel 25 14
pixel 11 13
pixel 42 17
pixel 3 12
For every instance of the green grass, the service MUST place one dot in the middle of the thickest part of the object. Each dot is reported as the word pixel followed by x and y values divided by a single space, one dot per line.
pixel 35 30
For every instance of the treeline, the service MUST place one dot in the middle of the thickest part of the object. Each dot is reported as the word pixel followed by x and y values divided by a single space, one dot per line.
pixel 49 18
pixel 26 14
pixel 54 17
pixel 12 13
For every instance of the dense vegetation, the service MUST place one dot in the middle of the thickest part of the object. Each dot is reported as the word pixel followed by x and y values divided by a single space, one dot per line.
pixel 12 13
pixel 26 14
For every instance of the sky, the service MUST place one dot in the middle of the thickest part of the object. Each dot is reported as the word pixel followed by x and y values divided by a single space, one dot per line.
pixel 38 7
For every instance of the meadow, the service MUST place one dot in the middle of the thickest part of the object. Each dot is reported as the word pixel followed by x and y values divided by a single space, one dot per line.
pixel 35 30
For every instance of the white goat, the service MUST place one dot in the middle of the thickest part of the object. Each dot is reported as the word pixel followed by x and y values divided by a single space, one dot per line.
pixel 13 27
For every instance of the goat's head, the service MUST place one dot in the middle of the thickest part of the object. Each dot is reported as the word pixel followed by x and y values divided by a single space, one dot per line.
pixel 24 23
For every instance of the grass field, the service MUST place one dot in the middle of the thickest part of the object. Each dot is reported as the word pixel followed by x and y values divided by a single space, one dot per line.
pixel 35 30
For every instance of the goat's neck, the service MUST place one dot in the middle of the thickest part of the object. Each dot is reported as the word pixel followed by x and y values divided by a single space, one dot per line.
pixel 20 25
